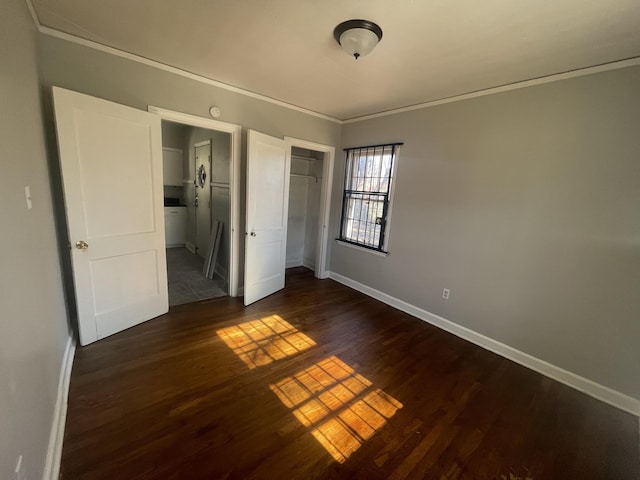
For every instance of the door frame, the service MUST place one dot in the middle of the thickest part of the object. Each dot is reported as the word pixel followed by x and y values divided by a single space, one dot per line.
pixel 234 172
pixel 325 199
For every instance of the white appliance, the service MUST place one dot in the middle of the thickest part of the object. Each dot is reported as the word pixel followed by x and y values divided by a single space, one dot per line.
pixel 175 226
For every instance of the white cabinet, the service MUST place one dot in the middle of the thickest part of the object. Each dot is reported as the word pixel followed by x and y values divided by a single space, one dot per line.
pixel 175 226
pixel 172 166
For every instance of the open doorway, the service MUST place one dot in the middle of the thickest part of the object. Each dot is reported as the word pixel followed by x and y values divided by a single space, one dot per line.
pixel 197 192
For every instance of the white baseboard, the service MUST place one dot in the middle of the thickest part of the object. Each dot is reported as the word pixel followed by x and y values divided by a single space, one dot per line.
pixel 295 263
pixel 56 436
pixel 191 247
pixel 605 394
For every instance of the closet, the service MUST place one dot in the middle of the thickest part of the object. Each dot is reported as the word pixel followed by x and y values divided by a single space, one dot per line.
pixel 305 190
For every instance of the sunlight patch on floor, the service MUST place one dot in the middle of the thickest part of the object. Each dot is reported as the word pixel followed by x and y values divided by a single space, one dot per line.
pixel 340 405
pixel 260 342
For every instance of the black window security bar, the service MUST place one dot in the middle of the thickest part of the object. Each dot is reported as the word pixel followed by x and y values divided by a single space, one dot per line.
pixel 365 201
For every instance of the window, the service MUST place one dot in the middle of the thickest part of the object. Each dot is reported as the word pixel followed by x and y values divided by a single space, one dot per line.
pixel 366 201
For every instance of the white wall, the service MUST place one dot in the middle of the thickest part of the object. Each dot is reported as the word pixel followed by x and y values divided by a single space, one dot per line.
pixel 304 213
pixel 33 319
pixel 526 204
pixel 297 214
pixel 313 215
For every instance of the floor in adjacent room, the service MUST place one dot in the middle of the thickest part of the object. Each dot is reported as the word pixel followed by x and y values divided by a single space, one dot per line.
pixel 186 282
pixel 319 381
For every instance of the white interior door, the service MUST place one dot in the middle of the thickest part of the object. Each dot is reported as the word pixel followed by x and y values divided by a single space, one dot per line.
pixel 268 165
pixel 111 162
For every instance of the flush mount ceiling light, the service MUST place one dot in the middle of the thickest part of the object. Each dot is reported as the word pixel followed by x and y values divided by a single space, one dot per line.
pixel 357 37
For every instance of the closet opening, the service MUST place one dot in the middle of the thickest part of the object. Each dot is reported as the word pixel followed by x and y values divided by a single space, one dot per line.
pixel 306 223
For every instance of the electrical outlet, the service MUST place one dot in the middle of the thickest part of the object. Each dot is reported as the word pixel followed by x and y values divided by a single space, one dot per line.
pixel 445 293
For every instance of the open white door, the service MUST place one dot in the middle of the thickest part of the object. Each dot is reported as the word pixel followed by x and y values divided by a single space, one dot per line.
pixel 111 162
pixel 268 165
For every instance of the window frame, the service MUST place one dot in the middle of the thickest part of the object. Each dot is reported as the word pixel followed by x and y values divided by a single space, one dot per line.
pixel 387 200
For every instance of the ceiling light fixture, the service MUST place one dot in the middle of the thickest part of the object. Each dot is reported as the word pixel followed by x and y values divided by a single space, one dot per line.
pixel 357 37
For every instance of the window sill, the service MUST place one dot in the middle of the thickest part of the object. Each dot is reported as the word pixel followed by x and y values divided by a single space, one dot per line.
pixel 362 249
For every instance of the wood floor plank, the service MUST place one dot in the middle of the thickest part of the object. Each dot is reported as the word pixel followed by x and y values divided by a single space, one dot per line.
pixel 319 381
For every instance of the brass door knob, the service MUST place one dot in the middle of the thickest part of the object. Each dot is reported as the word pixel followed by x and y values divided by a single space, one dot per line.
pixel 82 245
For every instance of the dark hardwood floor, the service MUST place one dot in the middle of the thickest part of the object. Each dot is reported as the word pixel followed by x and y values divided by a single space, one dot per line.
pixel 320 381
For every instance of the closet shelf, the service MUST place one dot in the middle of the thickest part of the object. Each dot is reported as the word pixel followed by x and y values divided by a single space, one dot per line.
pixel 301 175
pixel 302 157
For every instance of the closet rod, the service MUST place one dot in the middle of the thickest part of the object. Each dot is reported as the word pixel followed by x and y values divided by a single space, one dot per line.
pixel 305 176
pixel 302 157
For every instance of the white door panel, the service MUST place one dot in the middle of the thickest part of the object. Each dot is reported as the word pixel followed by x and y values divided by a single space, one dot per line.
pixel 111 162
pixel 107 173
pixel 268 165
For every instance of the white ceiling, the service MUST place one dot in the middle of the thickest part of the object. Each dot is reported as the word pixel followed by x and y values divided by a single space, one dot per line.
pixel 431 49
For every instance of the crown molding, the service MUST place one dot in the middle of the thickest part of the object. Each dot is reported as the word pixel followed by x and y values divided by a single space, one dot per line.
pixel 168 68
pixel 630 62
pixel 34 15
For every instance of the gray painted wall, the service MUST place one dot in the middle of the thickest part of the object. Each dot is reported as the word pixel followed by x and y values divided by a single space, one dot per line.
pixel 526 204
pixel 33 319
